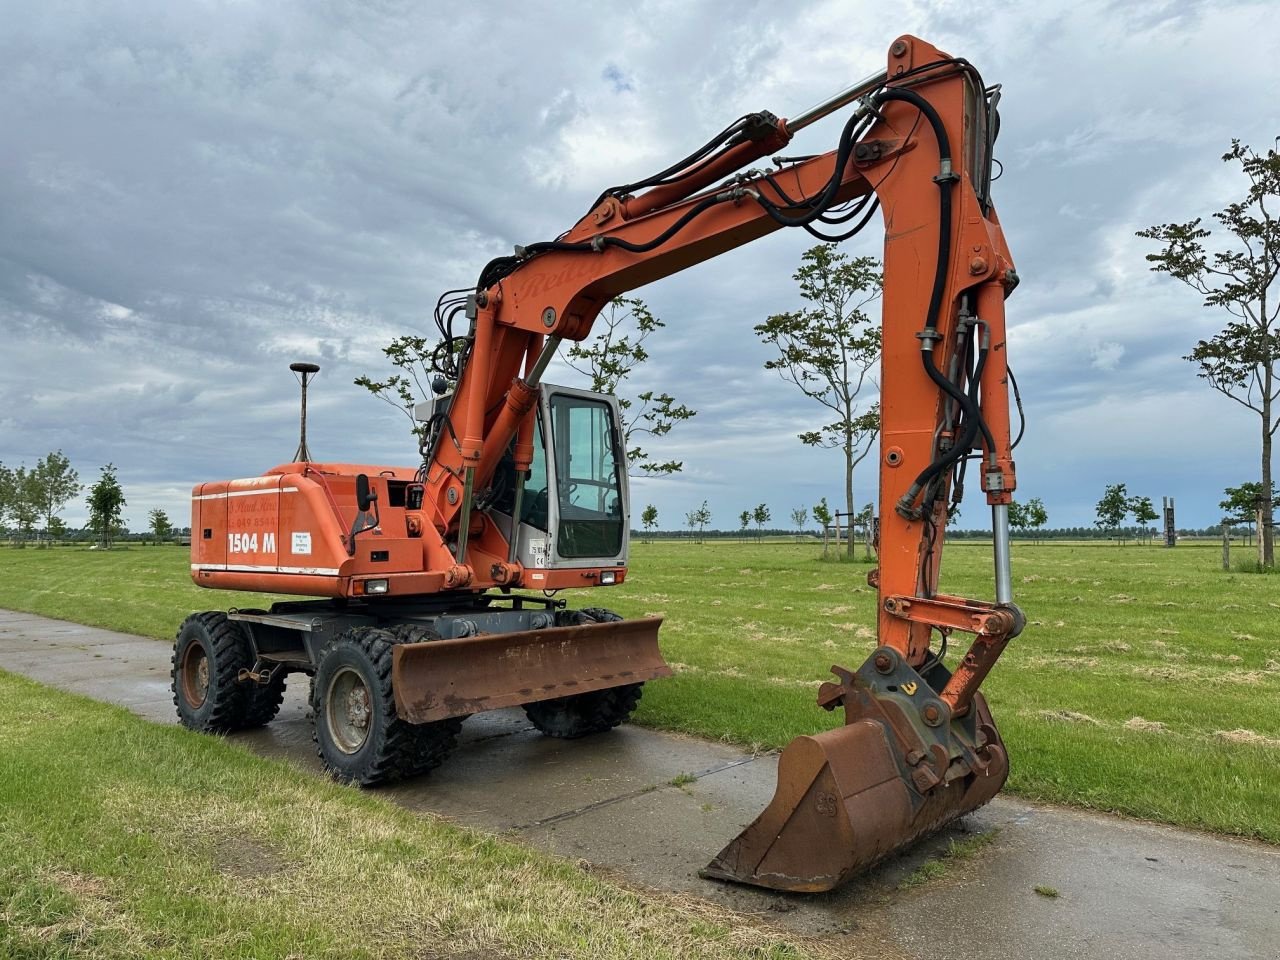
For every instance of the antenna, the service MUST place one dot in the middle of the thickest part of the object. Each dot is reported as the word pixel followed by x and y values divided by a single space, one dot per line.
pixel 305 372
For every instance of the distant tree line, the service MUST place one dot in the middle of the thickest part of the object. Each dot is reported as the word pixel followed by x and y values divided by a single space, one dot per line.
pixel 31 501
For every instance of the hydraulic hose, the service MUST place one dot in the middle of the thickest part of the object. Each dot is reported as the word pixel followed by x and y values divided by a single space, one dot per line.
pixel 945 179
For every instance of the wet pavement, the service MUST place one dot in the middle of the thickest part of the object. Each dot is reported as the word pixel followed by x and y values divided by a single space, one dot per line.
pixel 1126 890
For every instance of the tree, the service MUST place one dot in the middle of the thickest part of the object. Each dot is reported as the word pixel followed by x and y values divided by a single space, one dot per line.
pixel 864 519
pixel 822 514
pixel 1143 512
pixel 1240 360
pixel 417 360
pixel 1018 516
pixel 24 504
pixel 1112 508
pixel 1243 502
pixel 799 517
pixel 54 483
pixel 106 501
pixel 698 519
pixel 161 528
pixel 650 519
pixel 608 359
pixel 761 516
pixel 744 518
pixel 1034 513
pixel 7 492
pixel 828 350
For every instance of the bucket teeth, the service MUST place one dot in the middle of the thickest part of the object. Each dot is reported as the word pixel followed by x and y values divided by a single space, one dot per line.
pixel 847 798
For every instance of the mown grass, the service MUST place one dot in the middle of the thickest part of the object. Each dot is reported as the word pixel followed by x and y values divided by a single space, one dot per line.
pixel 121 839
pixel 1147 682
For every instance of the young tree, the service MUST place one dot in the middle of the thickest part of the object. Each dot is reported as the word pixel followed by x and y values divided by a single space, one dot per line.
pixel 821 513
pixel 1243 503
pixel 6 493
pixel 161 528
pixel 105 501
pixel 799 517
pixel 25 504
pixel 1143 513
pixel 55 483
pixel 417 359
pixel 1035 514
pixel 1240 277
pixel 828 350
pixel 1018 516
pixel 761 516
pixel 864 519
pixel 608 359
pixel 650 519
pixel 1112 508
pixel 744 518
pixel 698 519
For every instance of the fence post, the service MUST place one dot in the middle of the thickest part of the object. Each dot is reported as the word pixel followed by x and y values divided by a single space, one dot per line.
pixel 1226 547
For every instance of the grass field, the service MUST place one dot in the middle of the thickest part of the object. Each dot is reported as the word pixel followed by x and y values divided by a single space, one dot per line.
pixel 1147 683
pixel 123 839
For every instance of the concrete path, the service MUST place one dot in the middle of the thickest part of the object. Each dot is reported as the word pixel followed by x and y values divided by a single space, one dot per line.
pixel 1127 890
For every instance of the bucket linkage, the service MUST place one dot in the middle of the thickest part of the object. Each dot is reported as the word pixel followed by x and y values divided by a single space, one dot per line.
pixel 900 767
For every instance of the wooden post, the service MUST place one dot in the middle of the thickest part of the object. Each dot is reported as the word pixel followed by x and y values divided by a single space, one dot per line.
pixel 1226 547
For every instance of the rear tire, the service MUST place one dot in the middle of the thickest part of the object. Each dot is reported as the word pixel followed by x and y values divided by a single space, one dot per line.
pixel 359 737
pixel 208 655
pixel 582 714
pixel 262 701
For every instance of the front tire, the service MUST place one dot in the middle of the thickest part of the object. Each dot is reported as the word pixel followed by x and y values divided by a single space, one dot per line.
pixel 358 734
pixel 582 714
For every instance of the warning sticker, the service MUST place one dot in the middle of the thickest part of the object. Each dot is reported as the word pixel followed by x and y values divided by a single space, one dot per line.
pixel 302 543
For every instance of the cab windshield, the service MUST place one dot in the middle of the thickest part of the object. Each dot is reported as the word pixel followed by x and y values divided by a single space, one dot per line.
pixel 591 520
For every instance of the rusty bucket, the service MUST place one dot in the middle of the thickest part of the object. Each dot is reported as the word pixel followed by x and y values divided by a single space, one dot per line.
pixel 453 678
pixel 900 767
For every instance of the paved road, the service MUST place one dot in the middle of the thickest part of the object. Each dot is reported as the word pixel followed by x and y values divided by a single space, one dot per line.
pixel 1127 890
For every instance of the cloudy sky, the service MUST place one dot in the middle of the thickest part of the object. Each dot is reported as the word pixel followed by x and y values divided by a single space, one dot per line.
pixel 192 195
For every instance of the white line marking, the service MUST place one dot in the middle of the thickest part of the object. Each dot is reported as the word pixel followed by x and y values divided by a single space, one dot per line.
pixel 266 568
pixel 244 493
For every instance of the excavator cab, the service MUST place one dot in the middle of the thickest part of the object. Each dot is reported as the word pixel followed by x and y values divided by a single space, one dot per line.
pixel 574 505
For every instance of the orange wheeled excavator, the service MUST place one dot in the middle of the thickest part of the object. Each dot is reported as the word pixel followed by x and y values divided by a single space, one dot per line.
pixel 434 589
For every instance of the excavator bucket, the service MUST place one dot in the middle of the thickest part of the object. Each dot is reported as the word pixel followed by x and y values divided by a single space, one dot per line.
pixel 453 678
pixel 900 767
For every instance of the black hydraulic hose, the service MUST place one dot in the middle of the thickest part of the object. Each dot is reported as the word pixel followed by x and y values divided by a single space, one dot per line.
pixel 672 230
pixel 968 404
pixel 852 231
pixel 822 200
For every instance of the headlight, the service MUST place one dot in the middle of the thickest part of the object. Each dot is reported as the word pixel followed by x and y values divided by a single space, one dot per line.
pixel 375 586
pixel 608 576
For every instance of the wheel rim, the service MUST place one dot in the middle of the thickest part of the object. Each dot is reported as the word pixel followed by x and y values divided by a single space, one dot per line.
pixel 195 675
pixel 348 710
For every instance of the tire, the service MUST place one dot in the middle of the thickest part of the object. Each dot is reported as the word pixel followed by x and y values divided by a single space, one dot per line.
pixel 582 714
pixel 208 655
pixel 358 735
pixel 262 701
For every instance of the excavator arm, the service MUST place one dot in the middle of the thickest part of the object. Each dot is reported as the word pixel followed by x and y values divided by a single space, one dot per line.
pixel 919 747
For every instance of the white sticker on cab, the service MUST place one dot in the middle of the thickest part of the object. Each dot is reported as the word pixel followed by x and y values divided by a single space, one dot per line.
pixel 302 543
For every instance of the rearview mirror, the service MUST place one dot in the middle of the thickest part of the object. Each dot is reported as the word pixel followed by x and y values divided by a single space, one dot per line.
pixel 365 498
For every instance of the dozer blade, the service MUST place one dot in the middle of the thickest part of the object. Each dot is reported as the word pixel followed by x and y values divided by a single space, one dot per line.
pixel 453 678
pixel 849 797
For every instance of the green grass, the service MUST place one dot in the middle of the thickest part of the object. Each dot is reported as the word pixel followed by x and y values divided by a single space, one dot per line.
pixel 957 851
pixel 120 839
pixel 1046 891
pixel 1147 682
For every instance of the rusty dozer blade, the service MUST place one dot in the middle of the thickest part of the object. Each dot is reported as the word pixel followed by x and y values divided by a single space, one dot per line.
pixel 899 768
pixel 453 678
